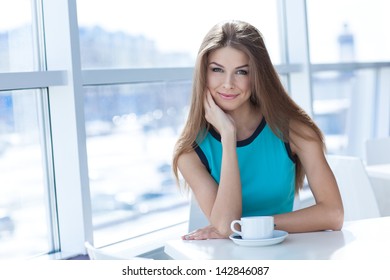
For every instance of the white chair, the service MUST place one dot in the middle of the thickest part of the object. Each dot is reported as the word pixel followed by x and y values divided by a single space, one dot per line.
pixel 356 192
pixel 378 151
pixel 304 198
pixel 197 217
pixel 100 254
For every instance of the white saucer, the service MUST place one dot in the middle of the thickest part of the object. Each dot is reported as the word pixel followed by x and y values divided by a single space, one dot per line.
pixel 278 236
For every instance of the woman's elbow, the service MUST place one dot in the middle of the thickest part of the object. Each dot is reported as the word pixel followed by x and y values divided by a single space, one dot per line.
pixel 336 219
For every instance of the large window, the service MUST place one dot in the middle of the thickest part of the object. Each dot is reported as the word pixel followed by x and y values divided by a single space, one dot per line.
pixel 348 30
pixel 27 216
pixel 26 223
pixel 166 33
pixel 343 99
pixel 131 131
pixel 17 36
pixel 347 94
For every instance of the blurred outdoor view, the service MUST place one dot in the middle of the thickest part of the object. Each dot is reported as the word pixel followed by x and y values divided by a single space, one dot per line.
pixel 131 132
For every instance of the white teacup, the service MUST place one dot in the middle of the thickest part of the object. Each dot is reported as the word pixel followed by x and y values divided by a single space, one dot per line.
pixel 258 227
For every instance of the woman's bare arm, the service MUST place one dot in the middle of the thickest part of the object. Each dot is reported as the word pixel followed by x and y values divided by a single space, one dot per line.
pixel 327 213
pixel 221 203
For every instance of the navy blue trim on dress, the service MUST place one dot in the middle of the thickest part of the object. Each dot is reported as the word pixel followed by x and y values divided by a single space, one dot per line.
pixel 244 142
pixel 290 153
pixel 202 157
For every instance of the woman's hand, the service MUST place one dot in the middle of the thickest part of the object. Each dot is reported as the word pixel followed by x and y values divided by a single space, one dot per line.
pixel 220 120
pixel 208 232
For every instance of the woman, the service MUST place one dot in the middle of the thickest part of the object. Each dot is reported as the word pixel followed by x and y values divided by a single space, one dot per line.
pixel 247 146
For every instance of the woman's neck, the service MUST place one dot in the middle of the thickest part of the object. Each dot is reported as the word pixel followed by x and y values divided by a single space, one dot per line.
pixel 246 121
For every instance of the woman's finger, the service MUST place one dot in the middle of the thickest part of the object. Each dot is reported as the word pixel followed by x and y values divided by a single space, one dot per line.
pixel 210 99
pixel 206 102
pixel 208 232
pixel 207 97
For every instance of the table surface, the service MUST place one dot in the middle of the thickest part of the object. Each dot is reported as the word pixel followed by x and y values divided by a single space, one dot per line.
pixel 379 171
pixel 364 239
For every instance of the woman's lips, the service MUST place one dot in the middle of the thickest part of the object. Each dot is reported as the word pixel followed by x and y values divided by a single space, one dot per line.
pixel 228 96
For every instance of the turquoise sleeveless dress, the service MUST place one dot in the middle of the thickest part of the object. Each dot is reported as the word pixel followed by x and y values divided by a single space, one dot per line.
pixel 267 170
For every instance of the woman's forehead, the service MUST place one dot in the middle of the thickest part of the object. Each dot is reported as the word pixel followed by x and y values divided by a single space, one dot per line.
pixel 228 56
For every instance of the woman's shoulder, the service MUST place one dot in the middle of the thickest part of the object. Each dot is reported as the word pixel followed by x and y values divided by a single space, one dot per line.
pixel 302 134
pixel 305 129
pixel 190 163
pixel 188 158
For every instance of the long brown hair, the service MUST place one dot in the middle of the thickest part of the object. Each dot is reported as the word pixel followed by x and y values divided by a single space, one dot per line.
pixel 268 93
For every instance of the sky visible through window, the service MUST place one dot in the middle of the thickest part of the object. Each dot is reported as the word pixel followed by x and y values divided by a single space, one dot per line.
pixel 180 25
pixel 177 25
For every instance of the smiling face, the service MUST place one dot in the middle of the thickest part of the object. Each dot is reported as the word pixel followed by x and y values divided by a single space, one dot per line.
pixel 228 78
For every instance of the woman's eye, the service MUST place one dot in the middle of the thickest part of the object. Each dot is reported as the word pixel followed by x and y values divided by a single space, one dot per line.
pixel 242 72
pixel 216 69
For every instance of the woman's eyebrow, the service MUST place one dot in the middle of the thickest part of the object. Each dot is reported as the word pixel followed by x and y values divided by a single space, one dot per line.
pixel 219 65
pixel 243 66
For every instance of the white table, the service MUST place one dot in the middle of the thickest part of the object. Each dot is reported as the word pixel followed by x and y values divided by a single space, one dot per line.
pixel 364 240
pixel 380 181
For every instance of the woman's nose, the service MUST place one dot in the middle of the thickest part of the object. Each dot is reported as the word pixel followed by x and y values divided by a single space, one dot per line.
pixel 228 82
